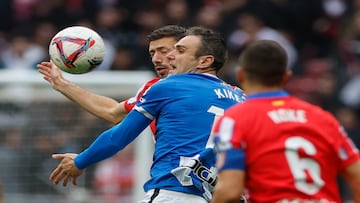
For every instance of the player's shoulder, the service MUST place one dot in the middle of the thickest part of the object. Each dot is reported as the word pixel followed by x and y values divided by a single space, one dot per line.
pixel 172 81
pixel 327 116
pixel 235 88
pixel 244 108
pixel 315 113
pixel 152 81
pixel 312 108
pixel 146 86
pixel 158 85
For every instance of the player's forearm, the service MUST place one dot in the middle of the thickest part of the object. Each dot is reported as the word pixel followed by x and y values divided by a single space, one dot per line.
pixel 100 106
pixel 351 174
pixel 355 188
pixel 229 187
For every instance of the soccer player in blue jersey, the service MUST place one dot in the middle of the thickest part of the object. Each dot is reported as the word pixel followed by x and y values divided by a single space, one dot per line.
pixel 185 106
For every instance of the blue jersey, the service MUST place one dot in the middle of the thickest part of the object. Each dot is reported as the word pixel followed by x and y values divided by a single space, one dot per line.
pixel 185 107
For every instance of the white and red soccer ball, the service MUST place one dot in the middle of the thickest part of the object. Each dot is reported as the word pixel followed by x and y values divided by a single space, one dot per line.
pixel 77 49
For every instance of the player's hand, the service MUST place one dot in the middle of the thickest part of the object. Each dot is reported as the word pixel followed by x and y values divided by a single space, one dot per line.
pixel 51 73
pixel 66 170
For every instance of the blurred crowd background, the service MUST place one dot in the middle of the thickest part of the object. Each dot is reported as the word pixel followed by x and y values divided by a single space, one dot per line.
pixel 321 38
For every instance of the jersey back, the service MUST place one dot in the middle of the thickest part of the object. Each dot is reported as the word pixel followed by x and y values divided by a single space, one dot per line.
pixel 294 150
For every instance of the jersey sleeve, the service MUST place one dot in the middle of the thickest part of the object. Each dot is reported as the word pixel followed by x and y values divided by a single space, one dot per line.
pixel 230 154
pixel 113 140
pixel 131 102
pixel 347 151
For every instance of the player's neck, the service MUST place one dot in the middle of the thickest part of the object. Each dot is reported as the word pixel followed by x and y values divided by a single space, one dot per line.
pixel 209 71
pixel 254 89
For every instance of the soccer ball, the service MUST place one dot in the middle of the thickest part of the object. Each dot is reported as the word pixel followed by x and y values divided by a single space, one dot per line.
pixel 77 49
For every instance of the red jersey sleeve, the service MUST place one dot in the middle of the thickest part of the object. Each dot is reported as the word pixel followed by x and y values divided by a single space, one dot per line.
pixel 130 103
pixel 347 151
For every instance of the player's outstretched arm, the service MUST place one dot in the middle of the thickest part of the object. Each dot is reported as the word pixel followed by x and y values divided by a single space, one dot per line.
pixel 352 175
pixel 66 170
pixel 101 106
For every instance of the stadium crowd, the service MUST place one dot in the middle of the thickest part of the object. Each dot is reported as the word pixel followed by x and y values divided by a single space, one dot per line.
pixel 321 38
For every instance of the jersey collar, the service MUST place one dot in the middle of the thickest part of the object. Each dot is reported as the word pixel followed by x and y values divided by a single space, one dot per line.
pixel 215 77
pixel 277 93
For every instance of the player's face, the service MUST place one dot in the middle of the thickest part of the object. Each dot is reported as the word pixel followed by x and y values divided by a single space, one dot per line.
pixel 182 58
pixel 158 50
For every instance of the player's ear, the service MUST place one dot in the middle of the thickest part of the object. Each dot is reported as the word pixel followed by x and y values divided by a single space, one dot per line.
pixel 239 72
pixel 286 77
pixel 206 61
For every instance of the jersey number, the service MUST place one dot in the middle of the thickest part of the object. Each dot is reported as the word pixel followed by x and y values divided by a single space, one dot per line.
pixel 181 173
pixel 217 111
pixel 303 169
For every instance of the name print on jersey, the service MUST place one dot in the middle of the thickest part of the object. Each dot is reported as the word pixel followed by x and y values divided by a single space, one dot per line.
pixel 227 94
pixel 287 115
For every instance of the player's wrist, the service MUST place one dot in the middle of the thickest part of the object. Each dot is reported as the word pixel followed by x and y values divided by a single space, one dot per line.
pixel 61 85
pixel 77 164
pixel 76 170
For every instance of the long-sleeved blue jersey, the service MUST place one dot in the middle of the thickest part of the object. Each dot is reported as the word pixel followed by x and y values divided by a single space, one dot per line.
pixel 185 107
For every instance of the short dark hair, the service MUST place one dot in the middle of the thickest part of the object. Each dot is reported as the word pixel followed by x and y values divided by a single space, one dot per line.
pixel 264 62
pixel 175 31
pixel 212 43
